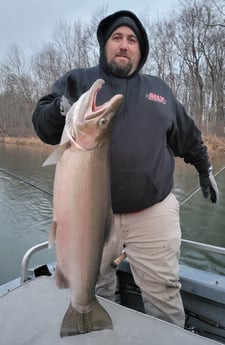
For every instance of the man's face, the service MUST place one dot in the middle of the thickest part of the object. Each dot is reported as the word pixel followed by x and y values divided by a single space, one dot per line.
pixel 122 51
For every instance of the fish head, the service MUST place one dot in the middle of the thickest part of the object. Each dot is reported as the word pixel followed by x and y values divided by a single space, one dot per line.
pixel 87 124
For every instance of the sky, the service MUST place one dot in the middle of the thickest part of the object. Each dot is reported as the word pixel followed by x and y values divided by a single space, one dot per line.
pixel 29 23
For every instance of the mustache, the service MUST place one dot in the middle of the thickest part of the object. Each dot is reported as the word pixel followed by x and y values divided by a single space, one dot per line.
pixel 122 54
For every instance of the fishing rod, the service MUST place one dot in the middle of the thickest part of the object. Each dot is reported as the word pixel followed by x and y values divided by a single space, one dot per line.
pixel 198 189
pixel 29 183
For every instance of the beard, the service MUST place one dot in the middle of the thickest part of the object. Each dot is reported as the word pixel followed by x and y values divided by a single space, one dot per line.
pixel 120 70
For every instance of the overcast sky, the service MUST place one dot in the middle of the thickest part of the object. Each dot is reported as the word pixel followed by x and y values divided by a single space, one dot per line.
pixel 28 23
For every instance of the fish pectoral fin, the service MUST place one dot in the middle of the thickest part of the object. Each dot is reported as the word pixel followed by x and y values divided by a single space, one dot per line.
pixel 55 156
pixel 52 235
pixel 78 323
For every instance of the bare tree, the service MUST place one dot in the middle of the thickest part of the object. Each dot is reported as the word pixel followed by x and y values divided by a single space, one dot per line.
pixel 46 68
pixel 17 92
pixel 72 42
pixel 91 28
pixel 15 75
pixel 191 35
pixel 164 61
pixel 186 50
pixel 214 55
pixel 219 6
pixel 77 43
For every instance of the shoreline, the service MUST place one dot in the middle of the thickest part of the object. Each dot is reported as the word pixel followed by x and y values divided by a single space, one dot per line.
pixel 213 143
pixel 23 141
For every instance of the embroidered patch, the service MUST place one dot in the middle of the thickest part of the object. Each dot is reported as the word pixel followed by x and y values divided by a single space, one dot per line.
pixel 156 98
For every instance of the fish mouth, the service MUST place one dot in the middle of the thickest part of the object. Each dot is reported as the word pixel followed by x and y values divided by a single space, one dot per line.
pixel 93 110
pixel 93 121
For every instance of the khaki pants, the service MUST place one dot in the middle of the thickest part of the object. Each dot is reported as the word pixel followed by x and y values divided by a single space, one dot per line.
pixel 152 239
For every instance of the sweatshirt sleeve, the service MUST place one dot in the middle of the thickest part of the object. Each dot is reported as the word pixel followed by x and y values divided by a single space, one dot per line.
pixel 185 140
pixel 47 119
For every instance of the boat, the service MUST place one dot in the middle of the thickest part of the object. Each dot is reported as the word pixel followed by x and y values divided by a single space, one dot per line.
pixel 31 308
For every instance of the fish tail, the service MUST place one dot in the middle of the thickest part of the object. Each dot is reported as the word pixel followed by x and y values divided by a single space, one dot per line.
pixel 79 323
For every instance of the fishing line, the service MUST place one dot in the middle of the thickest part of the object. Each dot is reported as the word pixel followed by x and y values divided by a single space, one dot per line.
pixel 32 184
pixel 29 183
pixel 198 189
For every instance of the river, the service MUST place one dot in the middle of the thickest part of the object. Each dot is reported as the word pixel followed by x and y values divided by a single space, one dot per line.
pixel 26 209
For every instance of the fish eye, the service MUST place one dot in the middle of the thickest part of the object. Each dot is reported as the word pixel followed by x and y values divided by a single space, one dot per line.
pixel 103 121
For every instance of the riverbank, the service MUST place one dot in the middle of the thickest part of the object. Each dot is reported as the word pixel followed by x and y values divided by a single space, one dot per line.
pixel 214 143
pixel 23 141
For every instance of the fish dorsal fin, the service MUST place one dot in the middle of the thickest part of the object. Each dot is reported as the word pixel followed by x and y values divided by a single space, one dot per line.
pixel 55 155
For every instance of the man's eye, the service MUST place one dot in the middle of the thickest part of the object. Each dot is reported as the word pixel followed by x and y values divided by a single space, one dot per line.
pixel 132 40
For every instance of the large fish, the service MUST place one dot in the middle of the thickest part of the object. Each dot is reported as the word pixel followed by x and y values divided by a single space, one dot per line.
pixel 82 208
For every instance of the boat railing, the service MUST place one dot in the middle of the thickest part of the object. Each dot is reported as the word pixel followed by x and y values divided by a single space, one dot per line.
pixel 26 272
pixel 204 246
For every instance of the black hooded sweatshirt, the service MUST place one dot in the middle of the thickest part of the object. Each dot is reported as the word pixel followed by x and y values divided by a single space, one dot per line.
pixel 149 130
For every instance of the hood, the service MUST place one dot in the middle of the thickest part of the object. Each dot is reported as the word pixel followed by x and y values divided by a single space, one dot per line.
pixel 110 23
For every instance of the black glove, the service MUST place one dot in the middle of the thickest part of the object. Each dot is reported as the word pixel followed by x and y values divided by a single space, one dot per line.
pixel 209 186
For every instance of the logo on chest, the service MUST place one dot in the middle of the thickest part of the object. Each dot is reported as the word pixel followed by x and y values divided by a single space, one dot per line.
pixel 155 98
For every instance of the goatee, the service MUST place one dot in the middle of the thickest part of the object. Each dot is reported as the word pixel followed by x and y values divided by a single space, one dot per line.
pixel 118 70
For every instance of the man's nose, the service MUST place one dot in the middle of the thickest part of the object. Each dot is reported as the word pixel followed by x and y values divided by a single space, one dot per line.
pixel 124 44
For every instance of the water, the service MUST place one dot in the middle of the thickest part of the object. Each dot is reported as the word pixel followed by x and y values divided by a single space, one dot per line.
pixel 201 221
pixel 26 210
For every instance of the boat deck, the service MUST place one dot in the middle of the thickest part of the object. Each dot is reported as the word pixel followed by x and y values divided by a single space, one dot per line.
pixel 32 314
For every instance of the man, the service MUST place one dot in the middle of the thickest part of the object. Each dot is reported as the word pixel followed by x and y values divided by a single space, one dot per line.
pixel 150 128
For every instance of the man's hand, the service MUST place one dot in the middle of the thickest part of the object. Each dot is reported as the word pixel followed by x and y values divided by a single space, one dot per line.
pixel 70 95
pixel 209 186
pixel 64 106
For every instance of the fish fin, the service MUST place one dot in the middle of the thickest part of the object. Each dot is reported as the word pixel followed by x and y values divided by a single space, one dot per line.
pixel 52 235
pixel 56 154
pixel 78 323
pixel 60 279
